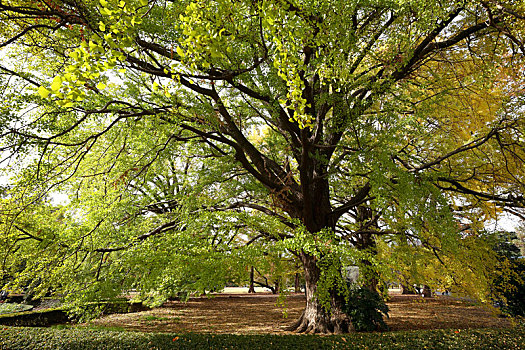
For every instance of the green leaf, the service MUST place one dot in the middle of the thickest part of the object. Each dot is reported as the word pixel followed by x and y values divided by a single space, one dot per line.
pixel 101 86
pixel 102 26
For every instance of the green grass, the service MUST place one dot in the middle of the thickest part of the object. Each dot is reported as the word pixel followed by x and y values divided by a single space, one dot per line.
pixel 9 308
pixel 75 338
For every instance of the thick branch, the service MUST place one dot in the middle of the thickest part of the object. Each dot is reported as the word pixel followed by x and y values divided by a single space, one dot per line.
pixel 358 198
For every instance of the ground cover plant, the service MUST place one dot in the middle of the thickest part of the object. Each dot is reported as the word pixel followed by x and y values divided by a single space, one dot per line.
pixel 44 339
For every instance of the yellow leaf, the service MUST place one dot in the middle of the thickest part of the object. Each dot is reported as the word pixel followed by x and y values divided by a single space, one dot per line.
pixel 57 83
pixel 101 86
pixel 102 26
pixel 43 92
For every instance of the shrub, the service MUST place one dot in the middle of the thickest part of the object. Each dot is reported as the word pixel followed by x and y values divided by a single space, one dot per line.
pixel 510 289
pixel 365 309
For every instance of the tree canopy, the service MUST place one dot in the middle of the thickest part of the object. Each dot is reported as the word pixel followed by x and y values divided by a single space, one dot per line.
pixel 193 137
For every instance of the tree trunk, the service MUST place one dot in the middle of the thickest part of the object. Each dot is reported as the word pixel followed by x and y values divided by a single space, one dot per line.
pixel 366 242
pixel 315 319
pixel 297 283
pixel 277 288
pixel 252 287
pixel 405 289
pixel 427 293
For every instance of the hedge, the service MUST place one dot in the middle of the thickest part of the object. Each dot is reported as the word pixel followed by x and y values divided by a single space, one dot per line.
pixel 12 338
pixel 41 318
pixel 48 317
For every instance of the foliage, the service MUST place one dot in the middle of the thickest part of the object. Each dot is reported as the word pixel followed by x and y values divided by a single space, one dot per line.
pixel 7 308
pixel 46 338
pixel 366 309
pixel 511 290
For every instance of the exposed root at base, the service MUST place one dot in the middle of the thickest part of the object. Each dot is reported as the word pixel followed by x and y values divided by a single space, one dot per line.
pixel 320 326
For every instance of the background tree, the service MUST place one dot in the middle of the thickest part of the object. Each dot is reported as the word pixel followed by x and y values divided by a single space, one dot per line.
pixel 309 113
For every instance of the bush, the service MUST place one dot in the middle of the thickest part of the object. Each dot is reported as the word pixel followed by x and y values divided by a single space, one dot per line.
pixel 365 309
pixel 510 289
pixel 76 338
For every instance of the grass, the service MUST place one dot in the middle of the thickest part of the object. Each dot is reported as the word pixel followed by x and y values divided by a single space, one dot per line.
pixel 76 338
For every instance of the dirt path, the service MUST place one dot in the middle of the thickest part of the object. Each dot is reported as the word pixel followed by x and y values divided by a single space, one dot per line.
pixel 249 314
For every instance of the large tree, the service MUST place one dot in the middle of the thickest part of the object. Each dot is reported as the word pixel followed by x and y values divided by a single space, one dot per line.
pixel 340 122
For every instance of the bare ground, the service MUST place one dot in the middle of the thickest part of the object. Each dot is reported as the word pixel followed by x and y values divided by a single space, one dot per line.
pixel 255 314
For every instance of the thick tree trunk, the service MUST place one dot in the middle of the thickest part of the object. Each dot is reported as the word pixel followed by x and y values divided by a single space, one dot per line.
pixel 315 319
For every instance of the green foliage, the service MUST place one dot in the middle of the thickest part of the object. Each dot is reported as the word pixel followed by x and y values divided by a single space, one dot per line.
pixel 511 288
pixel 366 309
pixel 70 339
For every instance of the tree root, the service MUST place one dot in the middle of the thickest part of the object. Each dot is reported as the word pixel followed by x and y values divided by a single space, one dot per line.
pixel 320 325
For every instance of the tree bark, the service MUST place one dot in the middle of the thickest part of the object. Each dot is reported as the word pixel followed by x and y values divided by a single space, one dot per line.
pixel 315 318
